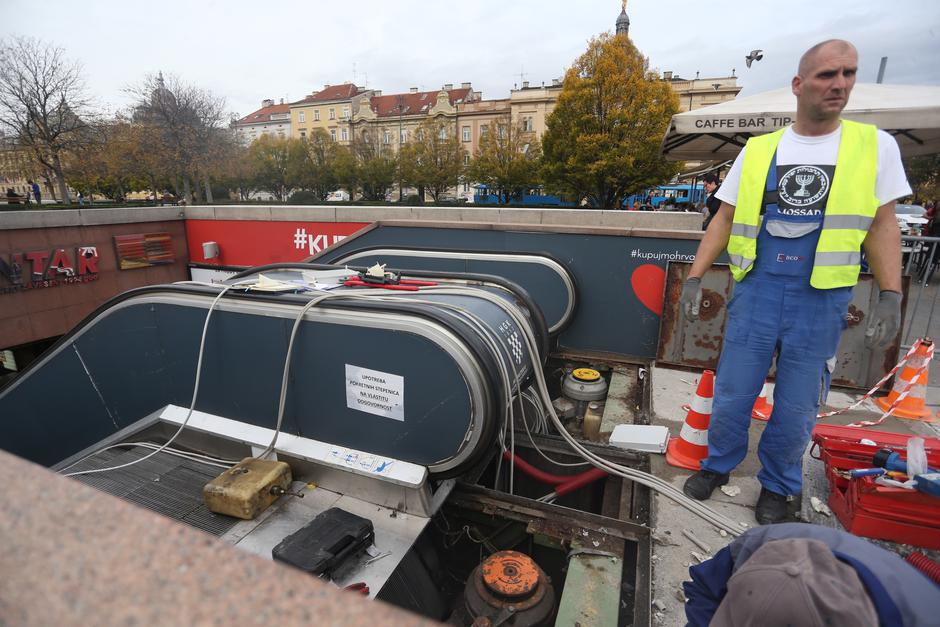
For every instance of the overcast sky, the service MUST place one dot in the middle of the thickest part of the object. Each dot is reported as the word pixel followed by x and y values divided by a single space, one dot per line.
pixel 247 51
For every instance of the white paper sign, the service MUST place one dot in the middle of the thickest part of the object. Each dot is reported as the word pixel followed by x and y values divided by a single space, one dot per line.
pixel 375 392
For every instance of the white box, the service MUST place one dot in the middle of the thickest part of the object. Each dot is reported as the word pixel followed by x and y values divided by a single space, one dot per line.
pixel 646 438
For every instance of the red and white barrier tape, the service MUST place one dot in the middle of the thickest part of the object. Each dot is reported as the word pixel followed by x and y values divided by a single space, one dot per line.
pixel 907 388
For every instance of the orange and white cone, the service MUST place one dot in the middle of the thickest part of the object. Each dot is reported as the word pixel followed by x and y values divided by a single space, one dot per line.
pixel 762 406
pixel 909 391
pixel 691 447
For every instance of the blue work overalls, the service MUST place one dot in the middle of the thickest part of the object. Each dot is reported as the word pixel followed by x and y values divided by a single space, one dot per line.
pixel 774 309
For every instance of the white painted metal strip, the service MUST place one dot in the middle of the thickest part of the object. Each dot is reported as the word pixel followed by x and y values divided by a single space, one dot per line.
pixel 339 457
pixel 702 405
pixel 694 436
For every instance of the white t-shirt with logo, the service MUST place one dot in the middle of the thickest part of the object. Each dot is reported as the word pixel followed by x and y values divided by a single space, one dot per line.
pixel 811 153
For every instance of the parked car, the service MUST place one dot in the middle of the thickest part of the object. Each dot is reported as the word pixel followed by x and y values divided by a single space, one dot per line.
pixel 911 219
pixel 340 195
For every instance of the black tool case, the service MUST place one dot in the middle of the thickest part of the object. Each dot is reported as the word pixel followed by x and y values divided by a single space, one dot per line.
pixel 327 541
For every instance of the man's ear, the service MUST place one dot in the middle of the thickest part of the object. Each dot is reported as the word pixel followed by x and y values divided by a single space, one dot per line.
pixel 795 85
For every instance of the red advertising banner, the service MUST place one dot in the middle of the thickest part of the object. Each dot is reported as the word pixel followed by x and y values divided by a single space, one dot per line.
pixel 254 243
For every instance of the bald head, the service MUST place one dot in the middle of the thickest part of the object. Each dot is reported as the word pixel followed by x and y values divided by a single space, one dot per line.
pixel 838 46
pixel 823 85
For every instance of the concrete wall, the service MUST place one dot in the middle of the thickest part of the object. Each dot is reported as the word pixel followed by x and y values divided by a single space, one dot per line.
pixel 659 220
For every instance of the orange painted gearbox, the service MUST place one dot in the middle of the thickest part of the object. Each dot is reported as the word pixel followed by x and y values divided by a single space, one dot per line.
pixel 510 574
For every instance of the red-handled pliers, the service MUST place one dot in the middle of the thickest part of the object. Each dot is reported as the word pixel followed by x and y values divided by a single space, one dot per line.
pixel 359 586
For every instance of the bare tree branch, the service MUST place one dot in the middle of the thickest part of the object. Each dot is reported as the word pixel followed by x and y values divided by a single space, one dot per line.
pixel 43 102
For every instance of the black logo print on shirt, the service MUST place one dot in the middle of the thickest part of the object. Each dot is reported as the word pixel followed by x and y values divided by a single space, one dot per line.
pixel 803 190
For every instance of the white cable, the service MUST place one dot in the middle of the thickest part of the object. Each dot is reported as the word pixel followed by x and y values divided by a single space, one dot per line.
pixel 651 481
pixel 192 404
pixel 285 376
pixel 196 457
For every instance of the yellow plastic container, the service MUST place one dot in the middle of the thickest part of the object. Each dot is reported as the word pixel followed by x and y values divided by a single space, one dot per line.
pixel 248 488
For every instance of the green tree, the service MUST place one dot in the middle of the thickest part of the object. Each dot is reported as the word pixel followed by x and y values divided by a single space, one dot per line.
pixel 603 137
pixel 433 160
pixel 507 160
pixel 314 169
pixel 240 172
pixel 376 168
pixel 923 173
pixel 272 159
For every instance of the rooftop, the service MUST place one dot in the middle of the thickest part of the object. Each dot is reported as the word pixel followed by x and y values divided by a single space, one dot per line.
pixel 413 103
pixel 264 114
pixel 331 93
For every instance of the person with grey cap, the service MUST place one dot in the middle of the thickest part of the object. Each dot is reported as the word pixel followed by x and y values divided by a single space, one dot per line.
pixel 808 575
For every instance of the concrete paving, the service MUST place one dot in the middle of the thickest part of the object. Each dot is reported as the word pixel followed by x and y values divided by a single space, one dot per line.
pixel 672 551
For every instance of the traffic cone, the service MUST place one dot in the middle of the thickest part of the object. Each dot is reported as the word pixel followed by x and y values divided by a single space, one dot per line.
pixel 912 406
pixel 691 446
pixel 762 406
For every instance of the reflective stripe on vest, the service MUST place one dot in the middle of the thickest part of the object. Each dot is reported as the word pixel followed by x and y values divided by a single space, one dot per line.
pixel 745 230
pixel 849 213
pixel 847 222
pixel 837 259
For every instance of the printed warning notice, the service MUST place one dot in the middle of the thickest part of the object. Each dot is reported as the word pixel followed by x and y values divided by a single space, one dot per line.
pixel 375 392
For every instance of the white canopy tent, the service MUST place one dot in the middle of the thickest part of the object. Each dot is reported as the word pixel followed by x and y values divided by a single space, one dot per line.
pixel 909 112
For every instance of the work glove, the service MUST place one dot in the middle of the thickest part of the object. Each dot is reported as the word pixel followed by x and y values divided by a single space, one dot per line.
pixel 885 320
pixel 691 298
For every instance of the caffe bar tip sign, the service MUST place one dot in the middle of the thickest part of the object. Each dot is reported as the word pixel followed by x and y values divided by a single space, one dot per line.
pixel 724 123
pixel 47 268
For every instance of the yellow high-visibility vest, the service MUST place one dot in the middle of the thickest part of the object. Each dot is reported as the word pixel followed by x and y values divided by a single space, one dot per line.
pixel 849 213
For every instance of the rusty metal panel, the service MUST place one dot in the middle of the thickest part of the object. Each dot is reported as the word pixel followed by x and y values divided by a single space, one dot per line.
pixel 694 345
pixel 698 344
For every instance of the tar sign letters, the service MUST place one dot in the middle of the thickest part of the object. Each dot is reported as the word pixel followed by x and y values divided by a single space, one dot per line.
pixel 757 123
pixel 375 392
pixel 47 268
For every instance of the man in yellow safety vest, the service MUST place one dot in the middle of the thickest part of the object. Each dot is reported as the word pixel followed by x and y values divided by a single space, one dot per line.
pixel 798 206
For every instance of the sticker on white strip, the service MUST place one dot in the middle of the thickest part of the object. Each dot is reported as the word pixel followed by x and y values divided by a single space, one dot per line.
pixel 375 392
pixel 695 436
pixel 701 405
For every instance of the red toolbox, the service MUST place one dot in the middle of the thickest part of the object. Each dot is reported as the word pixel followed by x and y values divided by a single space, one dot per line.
pixel 866 508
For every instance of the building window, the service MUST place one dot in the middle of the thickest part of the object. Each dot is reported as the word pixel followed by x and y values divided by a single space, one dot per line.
pixel 466 159
pixel 386 137
pixel 345 113
pixel 316 115
pixel 333 134
pixel 466 133
pixel 443 134
pixel 402 136
pixel 527 124
pixel 344 133
pixel 332 113
pixel 302 116
pixel 501 131
pixel 484 130
pixel 303 135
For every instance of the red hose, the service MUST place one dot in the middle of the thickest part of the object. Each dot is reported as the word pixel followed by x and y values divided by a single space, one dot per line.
pixel 535 473
pixel 562 481
pixel 579 481
pixel 925 565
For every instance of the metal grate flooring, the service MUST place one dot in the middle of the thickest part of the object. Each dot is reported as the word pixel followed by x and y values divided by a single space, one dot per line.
pixel 164 483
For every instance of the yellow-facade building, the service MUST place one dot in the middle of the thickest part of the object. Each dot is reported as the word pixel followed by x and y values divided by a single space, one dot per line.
pixel 331 110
